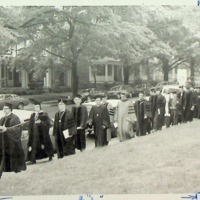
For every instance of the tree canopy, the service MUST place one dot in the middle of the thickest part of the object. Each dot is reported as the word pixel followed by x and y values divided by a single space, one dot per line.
pixel 133 34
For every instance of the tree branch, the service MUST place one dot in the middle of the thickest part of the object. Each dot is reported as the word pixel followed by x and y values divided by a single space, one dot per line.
pixel 177 64
pixel 53 34
pixel 34 18
pixel 54 54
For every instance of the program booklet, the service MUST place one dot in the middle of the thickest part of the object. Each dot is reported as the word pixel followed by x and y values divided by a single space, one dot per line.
pixel 66 133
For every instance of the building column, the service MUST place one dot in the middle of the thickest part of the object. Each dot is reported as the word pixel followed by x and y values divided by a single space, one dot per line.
pixel 106 72
pixel 24 78
pixel 49 78
pixel 90 74
pixel 69 78
pixel 113 72
pixel 173 74
pixel 122 70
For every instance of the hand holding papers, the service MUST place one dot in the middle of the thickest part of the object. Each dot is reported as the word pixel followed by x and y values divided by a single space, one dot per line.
pixel 66 133
pixel 115 124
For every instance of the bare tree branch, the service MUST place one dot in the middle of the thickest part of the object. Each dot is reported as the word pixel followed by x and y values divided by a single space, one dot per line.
pixel 178 64
pixel 54 54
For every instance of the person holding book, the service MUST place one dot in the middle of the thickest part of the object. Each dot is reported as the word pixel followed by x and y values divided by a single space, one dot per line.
pixel 64 130
pixel 39 142
pixel 80 116
pixel 12 158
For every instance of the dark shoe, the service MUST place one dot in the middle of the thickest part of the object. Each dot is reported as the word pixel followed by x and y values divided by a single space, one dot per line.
pixel 50 159
pixel 31 162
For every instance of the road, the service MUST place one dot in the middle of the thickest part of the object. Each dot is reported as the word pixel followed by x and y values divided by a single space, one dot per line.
pixel 52 107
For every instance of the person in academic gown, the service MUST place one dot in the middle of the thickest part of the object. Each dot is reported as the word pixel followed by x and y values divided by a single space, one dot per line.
pixel 80 116
pixel 153 100
pixel 12 157
pixel 125 118
pixel 39 142
pixel 100 120
pixel 112 130
pixel 160 110
pixel 143 115
pixel 173 105
pixel 195 102
pixel 181 97
pixel 64 131
pixel 189 105
pixel 168 98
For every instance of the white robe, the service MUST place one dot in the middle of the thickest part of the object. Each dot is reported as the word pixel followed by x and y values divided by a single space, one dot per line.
pixel 125 117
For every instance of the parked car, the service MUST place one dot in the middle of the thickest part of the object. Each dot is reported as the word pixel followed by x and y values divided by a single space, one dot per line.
pixel 164 83
pixel 93 92
pixel 114 92
pixel 171 88
pixel 17 101
pixel 24 116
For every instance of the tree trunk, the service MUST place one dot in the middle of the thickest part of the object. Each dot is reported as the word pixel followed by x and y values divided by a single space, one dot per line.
pixel 126 75
pixel 95 81
pixel 192 70
pixel 75 78
pixel 148 70
pixel 165 68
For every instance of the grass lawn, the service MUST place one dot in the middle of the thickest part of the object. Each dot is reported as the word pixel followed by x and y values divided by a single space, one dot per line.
pixel 164 162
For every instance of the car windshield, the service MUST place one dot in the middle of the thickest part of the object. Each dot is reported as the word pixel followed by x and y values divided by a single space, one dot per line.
pixel 114 88
pixel 171 90
pixel 86 90
pixel 16 96
pixel 9 97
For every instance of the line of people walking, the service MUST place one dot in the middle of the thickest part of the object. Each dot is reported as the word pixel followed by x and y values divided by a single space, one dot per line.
pixel 128 120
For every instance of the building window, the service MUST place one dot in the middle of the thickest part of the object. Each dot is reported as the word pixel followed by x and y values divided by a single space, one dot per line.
pixel 110 70
pixel 10 75
pixel 101 70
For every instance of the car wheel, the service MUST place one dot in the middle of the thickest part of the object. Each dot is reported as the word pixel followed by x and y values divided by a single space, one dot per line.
pixel 20 106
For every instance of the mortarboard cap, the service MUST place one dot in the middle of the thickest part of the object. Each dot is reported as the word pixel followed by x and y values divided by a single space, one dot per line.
pixel 62 101
pixel 141 92
pixel 78 96
pixel 9 105
pixel 34 101
pixel 152 89
pixel 158 89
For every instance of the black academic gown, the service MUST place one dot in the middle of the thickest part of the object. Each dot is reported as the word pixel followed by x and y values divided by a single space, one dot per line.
pixel 99 116
pixel 180 105
pixel 39 139
pixel 80 116
pixel 188 104
pixel 64 121
pixel 160 112
pixel 143 114
pixel 12 158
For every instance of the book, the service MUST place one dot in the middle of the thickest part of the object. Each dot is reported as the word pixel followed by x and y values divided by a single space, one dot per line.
pixel 115 124
pixel 66 133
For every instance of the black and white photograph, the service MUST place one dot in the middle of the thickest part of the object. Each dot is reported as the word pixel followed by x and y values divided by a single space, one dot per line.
pixel 99 100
